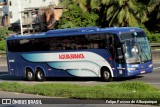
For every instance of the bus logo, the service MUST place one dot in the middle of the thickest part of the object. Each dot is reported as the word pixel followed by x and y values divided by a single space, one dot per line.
pixel 71 56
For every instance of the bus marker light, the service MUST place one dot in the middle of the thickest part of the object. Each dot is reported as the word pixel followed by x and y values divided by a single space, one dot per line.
pixel 110 58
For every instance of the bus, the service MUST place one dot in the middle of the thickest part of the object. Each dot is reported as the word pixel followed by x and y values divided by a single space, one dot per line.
pixel 80 52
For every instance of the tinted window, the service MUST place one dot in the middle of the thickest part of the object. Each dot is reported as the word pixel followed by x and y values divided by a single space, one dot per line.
pixel 62 43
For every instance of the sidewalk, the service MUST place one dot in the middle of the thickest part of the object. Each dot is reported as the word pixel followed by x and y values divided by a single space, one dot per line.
pixel 3 61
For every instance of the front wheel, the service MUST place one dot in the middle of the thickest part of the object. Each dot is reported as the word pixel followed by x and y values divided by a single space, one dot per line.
pixel 40 75
pixel 106 75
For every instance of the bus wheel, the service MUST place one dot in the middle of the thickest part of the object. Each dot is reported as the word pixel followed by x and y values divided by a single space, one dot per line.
pixel 106 75
pixel 40 75
pixel 29 75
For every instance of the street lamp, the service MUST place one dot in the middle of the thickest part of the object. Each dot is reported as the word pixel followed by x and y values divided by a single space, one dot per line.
pixel 20 17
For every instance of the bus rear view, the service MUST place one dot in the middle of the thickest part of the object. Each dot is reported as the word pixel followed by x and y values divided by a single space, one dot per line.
pixel 80 52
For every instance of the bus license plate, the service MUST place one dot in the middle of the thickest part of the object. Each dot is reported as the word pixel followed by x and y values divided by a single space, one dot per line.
pixel 142 72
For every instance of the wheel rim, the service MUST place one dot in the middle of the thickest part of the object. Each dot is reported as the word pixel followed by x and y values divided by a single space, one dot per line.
pixel 106 75
pixel 29 74
pixel 40 75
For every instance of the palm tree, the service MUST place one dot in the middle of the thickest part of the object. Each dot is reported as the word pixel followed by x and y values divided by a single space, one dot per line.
pixel 115 12
pixel 122 13
pixel 154 16
pixel 99 7
pixel 111 12
pixel 154 5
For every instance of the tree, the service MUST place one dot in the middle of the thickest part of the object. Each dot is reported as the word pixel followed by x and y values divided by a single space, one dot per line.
pixel 122 13
pixel 75 17
pixel 111 12
pixel 142 10
pixel 4 32
pixel 154 5
pixel 153 24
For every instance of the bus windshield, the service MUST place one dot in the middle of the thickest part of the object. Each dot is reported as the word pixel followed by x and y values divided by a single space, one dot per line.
pixel 137 49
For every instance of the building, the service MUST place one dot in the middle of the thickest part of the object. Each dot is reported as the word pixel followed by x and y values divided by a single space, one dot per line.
pixel 37 15
pixel 4 21
pixel 14 11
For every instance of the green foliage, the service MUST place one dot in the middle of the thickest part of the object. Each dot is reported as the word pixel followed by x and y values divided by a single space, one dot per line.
pixel 154 5
pixel 75 17
pixel 122 13
pixel 113 90
pixel 153 37
pixel 4 32
pixel 2 45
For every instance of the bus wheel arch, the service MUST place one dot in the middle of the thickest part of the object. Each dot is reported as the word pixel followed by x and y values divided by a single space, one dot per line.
pixel 40 75
pixel 106 74
pixel 29 74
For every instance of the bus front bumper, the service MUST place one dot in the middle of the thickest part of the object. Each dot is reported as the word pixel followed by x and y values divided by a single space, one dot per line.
pixel 139 72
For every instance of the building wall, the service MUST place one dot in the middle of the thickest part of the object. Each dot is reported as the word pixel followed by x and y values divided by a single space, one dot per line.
pixel 14 9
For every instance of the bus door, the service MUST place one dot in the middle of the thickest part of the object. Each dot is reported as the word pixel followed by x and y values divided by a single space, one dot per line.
pixel 119 61
pixel 12 64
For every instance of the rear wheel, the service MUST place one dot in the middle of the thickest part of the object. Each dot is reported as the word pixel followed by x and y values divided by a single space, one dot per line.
pixel 40 75
pixel 29 75
pixel 106 75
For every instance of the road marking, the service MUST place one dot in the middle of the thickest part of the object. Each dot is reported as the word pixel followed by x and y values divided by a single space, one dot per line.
pixel 154 83
pixel 3 65
pixel 3 74
pixel 89 82
pixel 157 68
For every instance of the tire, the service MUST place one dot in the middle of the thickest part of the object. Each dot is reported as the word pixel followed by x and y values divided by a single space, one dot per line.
pixel 106 75
pixel 40 75
pixel 29 75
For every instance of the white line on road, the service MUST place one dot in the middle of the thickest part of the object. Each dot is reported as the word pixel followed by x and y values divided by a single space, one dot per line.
pixel 3 65
pixel 89 82
pixel 154 83
pixel 157 68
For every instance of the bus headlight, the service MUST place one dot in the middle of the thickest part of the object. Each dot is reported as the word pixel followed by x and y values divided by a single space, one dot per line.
pixel 150 65
pixel 129 69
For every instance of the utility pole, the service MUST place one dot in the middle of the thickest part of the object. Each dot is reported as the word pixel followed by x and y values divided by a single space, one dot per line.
pixel 20 17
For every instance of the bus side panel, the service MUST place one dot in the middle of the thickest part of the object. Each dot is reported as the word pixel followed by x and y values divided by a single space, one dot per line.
pixel 12 64
pixel 48 71
pixel 108 58
pixel 51 72
pixel 19 65
pixel 89 62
